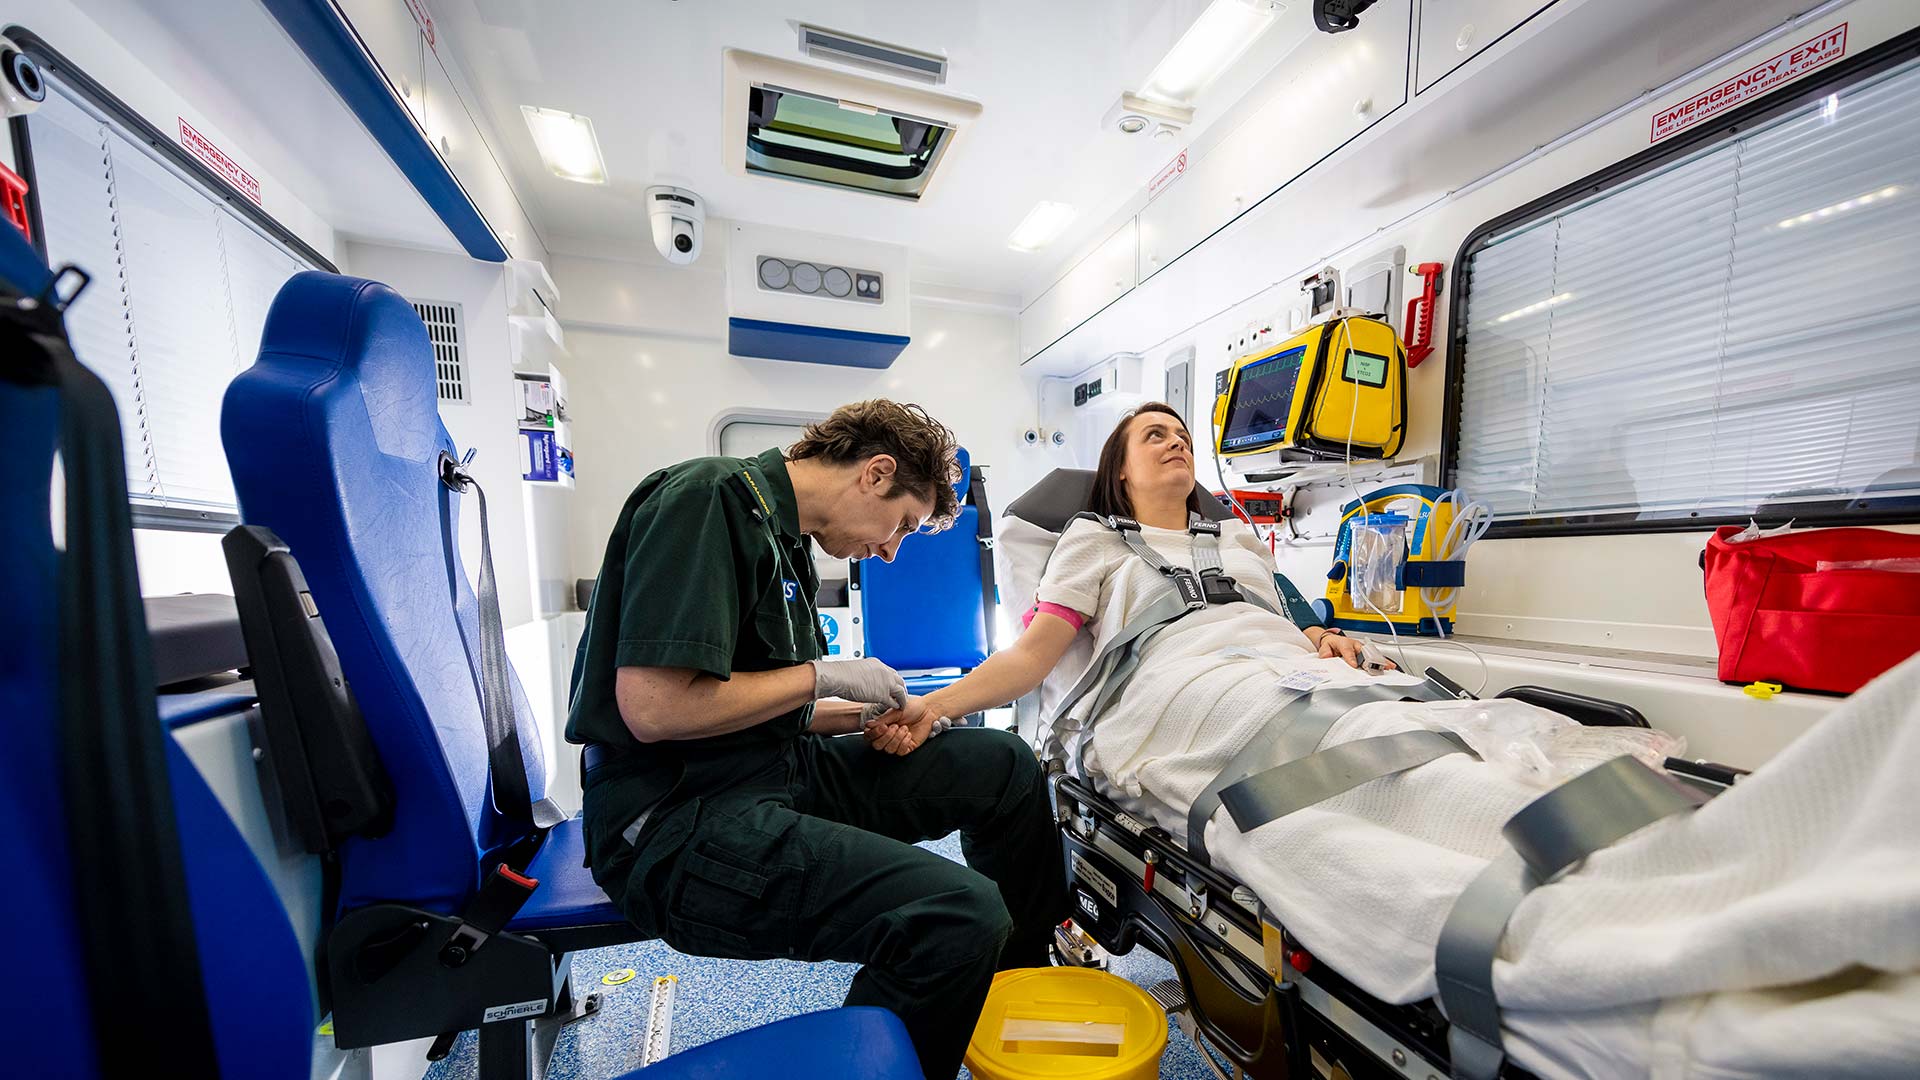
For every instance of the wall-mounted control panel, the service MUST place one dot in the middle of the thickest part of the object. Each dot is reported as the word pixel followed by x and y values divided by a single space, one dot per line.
pixel 775 274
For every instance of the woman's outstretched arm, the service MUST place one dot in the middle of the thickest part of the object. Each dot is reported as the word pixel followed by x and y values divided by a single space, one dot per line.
pixel 1000 678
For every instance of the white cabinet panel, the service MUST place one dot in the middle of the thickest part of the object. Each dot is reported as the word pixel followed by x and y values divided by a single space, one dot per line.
pixel 391 35
pixel 1453 32
pixel 1338 86
pixel 451 130
pixel 1098 280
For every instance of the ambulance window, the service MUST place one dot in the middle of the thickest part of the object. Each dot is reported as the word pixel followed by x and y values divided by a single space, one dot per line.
pixel 182 276
pixel 1723 331
pixel 804 137
pixel 747 437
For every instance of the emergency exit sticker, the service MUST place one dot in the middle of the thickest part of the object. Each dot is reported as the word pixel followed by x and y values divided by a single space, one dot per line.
pixel 1810 54
pixel 214 158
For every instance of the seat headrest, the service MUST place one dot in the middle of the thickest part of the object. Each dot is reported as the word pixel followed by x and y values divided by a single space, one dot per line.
pixel 1053 501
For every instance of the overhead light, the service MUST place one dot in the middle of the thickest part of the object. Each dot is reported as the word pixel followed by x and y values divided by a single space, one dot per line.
pixel 566 144
pixel 1857 201
pixel 1533 308
pixel 1135 115
pixel 1045 222
pixel 1210 46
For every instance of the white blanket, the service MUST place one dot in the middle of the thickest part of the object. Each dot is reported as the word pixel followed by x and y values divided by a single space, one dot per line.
pixel 1774 932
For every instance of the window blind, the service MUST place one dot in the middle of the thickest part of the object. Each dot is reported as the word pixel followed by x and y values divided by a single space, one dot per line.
pixel 181 287
pixel 1730 332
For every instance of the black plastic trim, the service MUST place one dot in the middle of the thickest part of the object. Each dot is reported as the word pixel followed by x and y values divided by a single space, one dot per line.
pixel 1888 54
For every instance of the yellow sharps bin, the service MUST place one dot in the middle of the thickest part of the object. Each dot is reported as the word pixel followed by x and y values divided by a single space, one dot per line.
pixel 1067 1022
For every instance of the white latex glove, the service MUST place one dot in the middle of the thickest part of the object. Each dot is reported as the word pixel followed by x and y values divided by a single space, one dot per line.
pixel 865 679
pixel 870 713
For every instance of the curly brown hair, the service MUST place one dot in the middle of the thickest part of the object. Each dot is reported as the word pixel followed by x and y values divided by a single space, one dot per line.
pixel 924 451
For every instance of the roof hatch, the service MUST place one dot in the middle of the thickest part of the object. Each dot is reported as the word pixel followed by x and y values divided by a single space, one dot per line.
pixel 817 126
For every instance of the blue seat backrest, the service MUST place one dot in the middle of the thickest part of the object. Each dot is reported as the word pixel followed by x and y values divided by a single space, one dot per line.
pixel 924 610
pixel 252 973
pixel 334 440
pixel 46 947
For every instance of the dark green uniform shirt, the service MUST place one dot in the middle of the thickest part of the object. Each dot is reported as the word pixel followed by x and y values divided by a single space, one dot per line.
pixel 706 569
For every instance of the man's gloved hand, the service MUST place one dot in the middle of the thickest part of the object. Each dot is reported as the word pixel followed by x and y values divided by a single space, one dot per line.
pixel 866 679
pixel 876 719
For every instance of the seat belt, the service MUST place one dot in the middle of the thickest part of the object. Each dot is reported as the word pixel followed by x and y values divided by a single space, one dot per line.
pixel 983 535
pixel 1298 784
pixel 506 762
pixel 1550 834
pixel 1190 591
pixel 1290 736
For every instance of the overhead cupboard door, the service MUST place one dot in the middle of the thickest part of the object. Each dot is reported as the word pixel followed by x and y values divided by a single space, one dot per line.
pixel 1730 334
pixel 179 296
pixel 1453 32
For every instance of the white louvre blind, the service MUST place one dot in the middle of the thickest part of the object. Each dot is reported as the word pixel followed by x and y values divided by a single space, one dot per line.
pixel 1733 331
pixel 181 287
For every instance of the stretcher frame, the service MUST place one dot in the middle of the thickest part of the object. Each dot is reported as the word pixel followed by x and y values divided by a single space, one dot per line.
pixel 1252 996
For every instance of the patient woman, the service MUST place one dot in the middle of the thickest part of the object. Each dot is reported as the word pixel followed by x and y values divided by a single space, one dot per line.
pixel 1095 580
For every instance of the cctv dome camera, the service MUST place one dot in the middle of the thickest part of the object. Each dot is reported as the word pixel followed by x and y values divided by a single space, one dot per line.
pixel 22 88
pixel 678 217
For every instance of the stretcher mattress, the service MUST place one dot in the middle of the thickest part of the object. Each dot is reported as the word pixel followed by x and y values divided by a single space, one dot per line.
pixel 1774 932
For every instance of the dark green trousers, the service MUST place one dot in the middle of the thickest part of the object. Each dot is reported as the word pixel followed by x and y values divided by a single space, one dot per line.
pixel 812 857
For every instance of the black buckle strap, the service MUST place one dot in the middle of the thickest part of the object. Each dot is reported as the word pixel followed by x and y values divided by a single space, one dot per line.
pixel 1220 588
pixel 490 910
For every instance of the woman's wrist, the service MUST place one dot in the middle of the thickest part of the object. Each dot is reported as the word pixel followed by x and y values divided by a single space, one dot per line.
pixel 937 703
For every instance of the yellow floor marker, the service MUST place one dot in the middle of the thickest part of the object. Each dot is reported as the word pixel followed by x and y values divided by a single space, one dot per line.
pixel 618 978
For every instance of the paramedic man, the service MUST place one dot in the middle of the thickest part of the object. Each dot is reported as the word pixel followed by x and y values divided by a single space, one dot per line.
pixel 759 834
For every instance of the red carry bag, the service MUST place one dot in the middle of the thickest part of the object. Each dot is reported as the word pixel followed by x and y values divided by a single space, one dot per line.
pixel 1783 612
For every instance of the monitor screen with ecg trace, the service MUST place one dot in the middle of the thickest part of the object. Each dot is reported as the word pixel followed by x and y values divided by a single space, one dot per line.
pixel 1262 402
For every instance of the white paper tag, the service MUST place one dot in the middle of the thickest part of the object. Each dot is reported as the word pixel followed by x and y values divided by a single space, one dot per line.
pixel 1302 681
pixel 514 1011
pixel 1100 882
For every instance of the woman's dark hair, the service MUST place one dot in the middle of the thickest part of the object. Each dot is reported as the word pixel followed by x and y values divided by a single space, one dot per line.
pixel 925 455
pixel 1109 491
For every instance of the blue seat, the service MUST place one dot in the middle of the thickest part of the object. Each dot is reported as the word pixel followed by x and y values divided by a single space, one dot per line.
pixel 156 942
pixel 860 1041
pixel 335 444
pixel 927 611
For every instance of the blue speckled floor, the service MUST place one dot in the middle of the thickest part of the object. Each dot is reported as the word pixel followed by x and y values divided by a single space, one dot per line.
pixel 720 997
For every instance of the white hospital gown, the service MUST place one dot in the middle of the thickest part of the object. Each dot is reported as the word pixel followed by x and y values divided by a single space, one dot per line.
pixel 1082 572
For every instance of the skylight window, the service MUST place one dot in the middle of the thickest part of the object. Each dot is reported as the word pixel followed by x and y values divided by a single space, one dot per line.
pixel 821 140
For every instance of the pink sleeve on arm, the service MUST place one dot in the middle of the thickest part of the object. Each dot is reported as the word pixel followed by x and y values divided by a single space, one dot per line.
pixel 1061 611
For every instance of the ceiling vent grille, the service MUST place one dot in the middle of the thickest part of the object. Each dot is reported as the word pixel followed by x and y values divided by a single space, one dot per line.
pixel 838 48
pixel 449 363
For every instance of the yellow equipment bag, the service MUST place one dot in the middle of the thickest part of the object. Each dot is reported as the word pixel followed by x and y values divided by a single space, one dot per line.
pixel 1335 388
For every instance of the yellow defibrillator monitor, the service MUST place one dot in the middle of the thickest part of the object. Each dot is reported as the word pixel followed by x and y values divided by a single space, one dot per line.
pixel 1336 388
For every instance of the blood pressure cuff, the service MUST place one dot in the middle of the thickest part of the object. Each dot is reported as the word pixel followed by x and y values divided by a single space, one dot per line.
pixel 1298 610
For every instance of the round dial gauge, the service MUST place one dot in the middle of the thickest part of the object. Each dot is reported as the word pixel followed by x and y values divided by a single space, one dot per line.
pixel 837 282
pixel 774 274
pixel 806 277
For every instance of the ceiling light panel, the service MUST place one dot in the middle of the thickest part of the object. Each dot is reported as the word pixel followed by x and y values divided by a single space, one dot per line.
pixel 567 144
pixel 1042 226
pixel 1221 34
